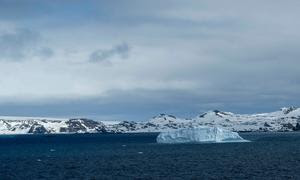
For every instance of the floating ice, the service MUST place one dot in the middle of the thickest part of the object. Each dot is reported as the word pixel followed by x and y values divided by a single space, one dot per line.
pixel 199 135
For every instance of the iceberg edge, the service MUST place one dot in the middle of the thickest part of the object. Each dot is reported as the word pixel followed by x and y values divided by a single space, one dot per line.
pixel 199 135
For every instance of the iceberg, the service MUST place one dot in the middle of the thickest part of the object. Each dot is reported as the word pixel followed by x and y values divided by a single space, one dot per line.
pixel 199 135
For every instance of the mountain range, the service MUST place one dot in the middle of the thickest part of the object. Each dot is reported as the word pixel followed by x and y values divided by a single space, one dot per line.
pixel 286 119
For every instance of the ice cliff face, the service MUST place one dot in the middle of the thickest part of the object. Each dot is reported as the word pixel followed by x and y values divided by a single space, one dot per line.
pixel 286 119
pixel 199 135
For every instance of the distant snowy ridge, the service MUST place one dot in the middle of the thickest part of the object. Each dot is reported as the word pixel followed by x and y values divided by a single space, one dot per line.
pixel 286 119
pixel 24 125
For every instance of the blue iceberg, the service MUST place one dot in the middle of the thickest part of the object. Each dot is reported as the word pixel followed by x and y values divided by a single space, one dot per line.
pixel 199 135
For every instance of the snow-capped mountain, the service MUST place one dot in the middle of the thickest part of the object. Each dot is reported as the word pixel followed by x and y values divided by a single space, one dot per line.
pixel 286 119
pixel 24 125
pixel 158 123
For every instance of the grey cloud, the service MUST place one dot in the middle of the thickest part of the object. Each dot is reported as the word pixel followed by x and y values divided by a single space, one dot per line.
pixel 143 104
pixel 241 58
pixel 45 52
pixel 15 46
pixel 101 55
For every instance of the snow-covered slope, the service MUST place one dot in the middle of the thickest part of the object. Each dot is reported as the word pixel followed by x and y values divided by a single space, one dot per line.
pixel 286 119
pixel 159 123
pixel 31 125
pixel 199 135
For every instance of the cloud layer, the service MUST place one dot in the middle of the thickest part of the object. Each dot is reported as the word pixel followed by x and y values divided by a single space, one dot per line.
pixel 134 59
pixel 100 55
pixel 20 43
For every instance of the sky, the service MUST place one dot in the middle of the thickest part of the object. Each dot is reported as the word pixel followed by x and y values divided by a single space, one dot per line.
pixel 133 59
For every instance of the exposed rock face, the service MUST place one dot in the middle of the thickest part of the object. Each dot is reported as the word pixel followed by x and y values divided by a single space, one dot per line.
pixel 287 110
pixel 83 125
pixel 267 125
pixel 287 126
pixel 297 127
pixel 37 129
pixel 124 126
pixel 164 116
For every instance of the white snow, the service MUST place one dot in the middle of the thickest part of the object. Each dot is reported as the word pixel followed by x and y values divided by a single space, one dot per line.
pixel 199 135
pixel 285 119
pixel 108 123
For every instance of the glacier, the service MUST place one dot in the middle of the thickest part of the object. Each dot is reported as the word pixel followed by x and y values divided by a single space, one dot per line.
pixel 199 135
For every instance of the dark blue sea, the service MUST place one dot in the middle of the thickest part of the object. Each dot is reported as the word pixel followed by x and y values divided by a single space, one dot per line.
pixel 137 156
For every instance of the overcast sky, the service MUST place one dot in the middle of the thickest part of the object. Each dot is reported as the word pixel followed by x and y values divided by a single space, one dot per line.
pixel 133 59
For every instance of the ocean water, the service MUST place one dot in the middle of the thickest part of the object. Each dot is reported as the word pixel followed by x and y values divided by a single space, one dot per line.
pixel 137 156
